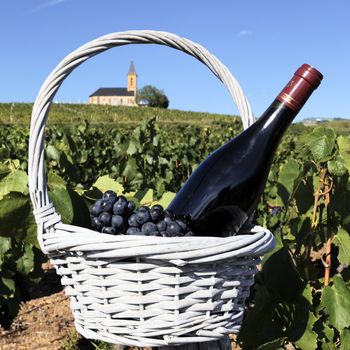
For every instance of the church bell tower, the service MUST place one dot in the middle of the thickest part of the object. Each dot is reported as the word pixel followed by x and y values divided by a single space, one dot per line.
pixel 132 78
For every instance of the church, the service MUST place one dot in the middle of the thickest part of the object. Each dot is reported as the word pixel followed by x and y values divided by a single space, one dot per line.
pixel 119 96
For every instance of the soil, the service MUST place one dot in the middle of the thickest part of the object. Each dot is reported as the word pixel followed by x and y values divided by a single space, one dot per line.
pixel 43 322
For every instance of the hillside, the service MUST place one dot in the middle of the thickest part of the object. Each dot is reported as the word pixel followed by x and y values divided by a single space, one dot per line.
pixel 19 113
pixel 68 114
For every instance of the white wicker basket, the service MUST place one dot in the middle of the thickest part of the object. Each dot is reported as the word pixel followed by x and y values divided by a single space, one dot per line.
pixel 144 291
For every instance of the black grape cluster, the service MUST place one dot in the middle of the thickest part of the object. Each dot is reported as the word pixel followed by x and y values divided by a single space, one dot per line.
pixel 116 215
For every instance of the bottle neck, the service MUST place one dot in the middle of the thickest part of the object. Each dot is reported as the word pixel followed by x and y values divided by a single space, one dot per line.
pixel 274 122
pixel 289 101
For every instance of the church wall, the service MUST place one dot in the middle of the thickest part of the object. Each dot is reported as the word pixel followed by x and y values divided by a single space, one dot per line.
pixel 113 100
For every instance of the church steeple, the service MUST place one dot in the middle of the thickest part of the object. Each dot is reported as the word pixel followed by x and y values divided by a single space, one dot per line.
pixel 132 78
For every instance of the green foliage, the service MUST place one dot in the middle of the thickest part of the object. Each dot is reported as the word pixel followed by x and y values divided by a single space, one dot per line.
pixel 20 258
pixel 290 301
pixel 336 302
pixel 149 162
pixel 152 96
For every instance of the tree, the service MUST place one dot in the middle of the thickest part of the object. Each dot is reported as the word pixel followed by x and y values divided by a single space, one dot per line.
pixel 152 96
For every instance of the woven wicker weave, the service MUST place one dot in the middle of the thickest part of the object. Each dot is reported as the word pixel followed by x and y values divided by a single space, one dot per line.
pixel 144 291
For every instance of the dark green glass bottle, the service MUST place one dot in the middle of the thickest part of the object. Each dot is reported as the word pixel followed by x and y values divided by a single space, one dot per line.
pixel 226 187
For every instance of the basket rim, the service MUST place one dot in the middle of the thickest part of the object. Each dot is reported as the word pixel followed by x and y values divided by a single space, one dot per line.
pixel 89 244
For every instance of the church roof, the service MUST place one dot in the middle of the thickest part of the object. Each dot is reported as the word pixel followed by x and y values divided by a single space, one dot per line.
pixel 112 92
pixel 132 68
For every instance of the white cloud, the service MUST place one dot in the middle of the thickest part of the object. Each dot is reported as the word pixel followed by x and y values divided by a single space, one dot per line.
pixel 44 5
pixel 245 32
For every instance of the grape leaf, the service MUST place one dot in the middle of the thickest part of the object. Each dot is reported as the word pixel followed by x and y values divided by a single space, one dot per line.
pixel 16 181
pixel 321 143
pixel 25 263
pixel 147 197
pixel 336 167
pixel 63 204
pixel 105 183
pixel 4 152
pixel 336 302
pixel 131 149
pixel 9 284
pixel 307 293
pixel 14 210
pixel 55 181
pixel 288 179
pixel 166 199
pixel 52 153
pixel 130 169
pixel 344 149
pixel 308 341
pixel 325 331
pixel 5 245
pixel 342 240
pixel 345 339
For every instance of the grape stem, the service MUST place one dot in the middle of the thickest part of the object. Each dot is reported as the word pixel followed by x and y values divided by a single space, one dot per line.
pixel 323 190
pixel 328 265
pixel 317 196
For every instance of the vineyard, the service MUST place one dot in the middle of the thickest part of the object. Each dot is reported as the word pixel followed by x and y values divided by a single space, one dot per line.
pixel 69 114
pixel 301 296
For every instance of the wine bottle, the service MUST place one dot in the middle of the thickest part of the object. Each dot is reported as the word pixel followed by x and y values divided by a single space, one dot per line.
pixel 223 192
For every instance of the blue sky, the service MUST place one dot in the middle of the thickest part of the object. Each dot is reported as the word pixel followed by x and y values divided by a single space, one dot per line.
pixel 261 42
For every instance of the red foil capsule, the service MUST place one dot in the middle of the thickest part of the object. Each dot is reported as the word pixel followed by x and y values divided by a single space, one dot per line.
pixel 297 91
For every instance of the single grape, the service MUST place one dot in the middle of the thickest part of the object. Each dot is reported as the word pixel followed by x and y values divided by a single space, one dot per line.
pixel 106 205
pixel 109 229
pixel 96 209
pixel 119 207
pixel 165 234
pixel 110 195
pixel 144 208
pixel 183 225
pixel 131 206
pixel 142 216
pixel 148 227
pixel 158 207
pixel 161 226
pixel 117 221
pixel 133 231
pixel 122 199
pixel 105 218
pixel 156 214
pixel 96 223
pixel 174 228
pixel 132 221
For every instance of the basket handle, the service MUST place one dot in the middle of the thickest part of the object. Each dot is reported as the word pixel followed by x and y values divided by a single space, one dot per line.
pixel 44 211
